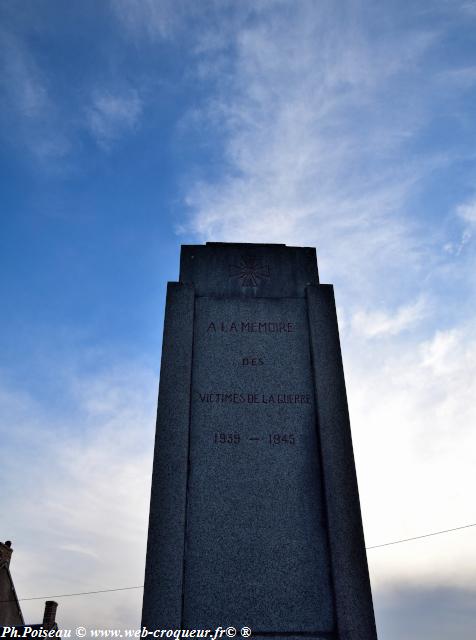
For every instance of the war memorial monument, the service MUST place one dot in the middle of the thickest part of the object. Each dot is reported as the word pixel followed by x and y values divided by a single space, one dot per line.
pixel 254 515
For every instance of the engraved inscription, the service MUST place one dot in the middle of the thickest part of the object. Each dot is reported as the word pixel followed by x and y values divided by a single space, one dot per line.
pixel 251 327
pixel 255 398
pixel 251 361
pixel 227 438
pixel 281 438
pixel 254 468
pixel 272 439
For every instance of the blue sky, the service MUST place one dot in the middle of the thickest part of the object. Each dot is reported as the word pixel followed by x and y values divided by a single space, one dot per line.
pixel 131 127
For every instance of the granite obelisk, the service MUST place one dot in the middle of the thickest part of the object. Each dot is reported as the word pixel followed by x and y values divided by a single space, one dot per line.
pixel 254 515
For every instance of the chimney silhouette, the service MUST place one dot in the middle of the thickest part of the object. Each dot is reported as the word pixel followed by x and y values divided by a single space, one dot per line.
pixel 49 617
pixel 6 552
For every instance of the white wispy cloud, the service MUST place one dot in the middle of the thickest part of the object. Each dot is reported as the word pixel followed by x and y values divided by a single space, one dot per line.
pixel 380 323
pixel 316 108
pixel 39 114
pixel 311 127
pixel 413 418
pixel 87 488
pixel 112 113
pixel 465 215
pixel 27 105
pixel 464 77
pixel 467 211
pixel 22 80
pixel 156 19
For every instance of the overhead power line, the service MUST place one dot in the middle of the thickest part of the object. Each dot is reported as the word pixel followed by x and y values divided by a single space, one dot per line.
pixel 82 593
pixel 426 535
pixel 375 546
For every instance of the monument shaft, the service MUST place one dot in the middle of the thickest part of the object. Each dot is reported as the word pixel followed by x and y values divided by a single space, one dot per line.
pixel 254 517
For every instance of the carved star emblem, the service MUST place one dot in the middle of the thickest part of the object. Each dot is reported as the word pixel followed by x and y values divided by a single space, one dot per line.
pixel 249 271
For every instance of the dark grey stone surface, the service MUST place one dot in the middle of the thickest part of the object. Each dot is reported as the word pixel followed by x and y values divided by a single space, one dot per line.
pixel 162 605
pixel 255 270
pixel 255 518
pixel 355 616
pixel 257 548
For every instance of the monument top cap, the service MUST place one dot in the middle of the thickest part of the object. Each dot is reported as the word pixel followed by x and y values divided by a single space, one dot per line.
pixel 248 270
